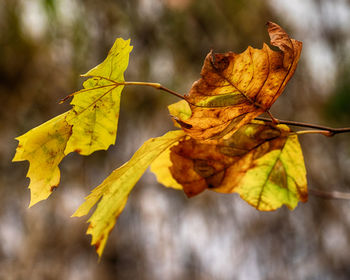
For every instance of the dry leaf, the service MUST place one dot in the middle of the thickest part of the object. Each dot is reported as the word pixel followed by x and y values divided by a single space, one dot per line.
pixel 261 162
pixel 236 88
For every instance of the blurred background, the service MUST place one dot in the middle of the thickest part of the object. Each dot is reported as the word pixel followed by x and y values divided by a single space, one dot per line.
pixel 46 44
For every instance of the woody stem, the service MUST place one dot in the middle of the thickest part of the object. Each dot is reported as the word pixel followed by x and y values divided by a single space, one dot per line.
pixel 325 130
pixel 328 131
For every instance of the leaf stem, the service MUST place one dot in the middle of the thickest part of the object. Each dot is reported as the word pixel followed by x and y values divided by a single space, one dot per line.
pixel 273 119
pixel 320 129
pixel 317 129
pixel 154 85
pixel 147 84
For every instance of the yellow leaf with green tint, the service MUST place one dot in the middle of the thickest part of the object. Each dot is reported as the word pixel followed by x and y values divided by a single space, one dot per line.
pixel 277 178
pixel 262 162
pixel 95 112
pixel 43 147
pixel 91 125
pixel 114 190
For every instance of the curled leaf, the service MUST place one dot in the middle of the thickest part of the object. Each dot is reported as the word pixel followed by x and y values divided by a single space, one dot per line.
pixel 236 88
pixel 114 190
pixel 261 162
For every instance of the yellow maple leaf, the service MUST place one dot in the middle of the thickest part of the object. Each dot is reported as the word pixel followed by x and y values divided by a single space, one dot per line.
pixel 43 147
pixel 91 125
pixel 115 189
pixel 95 112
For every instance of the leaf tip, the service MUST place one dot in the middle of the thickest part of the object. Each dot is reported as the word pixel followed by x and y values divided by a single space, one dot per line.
pixel 76 214
pixel 33 201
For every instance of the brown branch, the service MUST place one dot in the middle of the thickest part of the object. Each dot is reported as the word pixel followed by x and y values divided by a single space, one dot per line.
pixel 154 85
pixel 330 195
pixel 324 130
pixel 330 131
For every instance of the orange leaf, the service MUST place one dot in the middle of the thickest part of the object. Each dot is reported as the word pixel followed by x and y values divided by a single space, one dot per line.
pixel 261 162
pixel 236 88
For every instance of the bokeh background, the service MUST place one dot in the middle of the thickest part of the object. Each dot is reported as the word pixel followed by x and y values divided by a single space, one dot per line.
pixel 46 44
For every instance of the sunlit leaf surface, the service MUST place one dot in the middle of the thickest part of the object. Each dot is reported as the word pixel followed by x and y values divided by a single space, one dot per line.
pixel 95 112
pixel 90 126
pixel 43 147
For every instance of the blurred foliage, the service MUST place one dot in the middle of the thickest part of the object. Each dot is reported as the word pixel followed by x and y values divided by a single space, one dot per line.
pixel 337 108
pixel 46 44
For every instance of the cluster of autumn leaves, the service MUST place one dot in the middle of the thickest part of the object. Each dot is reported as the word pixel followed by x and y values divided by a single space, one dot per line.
pixel 220 146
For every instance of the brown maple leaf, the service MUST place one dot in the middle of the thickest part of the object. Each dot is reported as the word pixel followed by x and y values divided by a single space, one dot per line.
pixel 262 162
pixel 236 88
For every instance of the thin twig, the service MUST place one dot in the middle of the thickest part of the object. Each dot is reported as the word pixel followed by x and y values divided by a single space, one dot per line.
pixel 331 131
pixel 328 131
pixel 330 195
pixel 324 130
pixel 148 84
pixel 154 85
pixel 315 131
